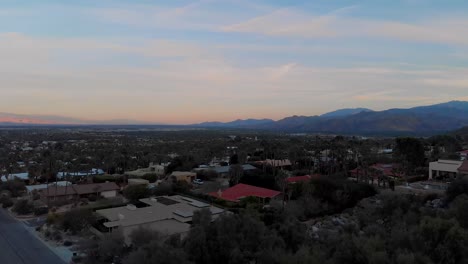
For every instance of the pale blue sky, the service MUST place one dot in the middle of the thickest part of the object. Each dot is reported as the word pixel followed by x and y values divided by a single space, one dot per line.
pixel 189 61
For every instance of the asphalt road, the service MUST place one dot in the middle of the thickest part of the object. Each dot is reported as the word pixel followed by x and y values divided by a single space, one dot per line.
pixel 18 245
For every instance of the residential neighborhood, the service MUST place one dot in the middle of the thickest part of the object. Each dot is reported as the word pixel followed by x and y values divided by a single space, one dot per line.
pixel 96 198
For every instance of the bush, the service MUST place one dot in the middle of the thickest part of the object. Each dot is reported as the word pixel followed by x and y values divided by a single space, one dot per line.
pixel 57 235
pixel 6 202
pixel 136 192
pixel 52 218
pixel 77 219
pixel 151 177
pixel 23 207
pixel 163 189
pixel 181 187
pixel 41 210
pixel 460 186
pixel 16 187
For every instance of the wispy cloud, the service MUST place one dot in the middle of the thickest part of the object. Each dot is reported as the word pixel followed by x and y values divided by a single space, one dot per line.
pixel 295 23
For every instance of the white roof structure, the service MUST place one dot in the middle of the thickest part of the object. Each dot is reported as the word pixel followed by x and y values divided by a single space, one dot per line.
pixel 172 213
pixel 22 176
pixel 444 166
pixel 38 187
pixel 80 173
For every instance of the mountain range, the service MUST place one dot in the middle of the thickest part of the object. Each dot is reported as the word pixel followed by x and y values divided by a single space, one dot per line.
pixel 422 120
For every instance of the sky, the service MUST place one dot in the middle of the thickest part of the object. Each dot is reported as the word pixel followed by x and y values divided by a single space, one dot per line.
pixel 182 62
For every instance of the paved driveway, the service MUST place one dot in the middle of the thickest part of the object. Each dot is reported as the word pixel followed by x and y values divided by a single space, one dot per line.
pixel 18 245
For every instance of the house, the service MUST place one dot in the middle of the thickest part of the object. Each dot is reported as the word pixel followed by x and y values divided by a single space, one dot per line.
pixel 38 187
pixel 72 192
pixel 283 164
pixel 444 169
pixel 23 176
pixel 58 193
pixel 106 189
pixel 239 191
pixel 186 176
pixel 158 169
pixel 168 215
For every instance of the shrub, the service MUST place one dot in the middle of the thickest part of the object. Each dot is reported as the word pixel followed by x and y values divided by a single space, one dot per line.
pixel 456 188
pixel 6 202
pixel 163 189
pixel 57 235
pixel 77 219
pixel 136 192
pixel 151 177
pixel 52 218
pixel 36 195
pixel 22 207
pixel 41 210
pixel 15 187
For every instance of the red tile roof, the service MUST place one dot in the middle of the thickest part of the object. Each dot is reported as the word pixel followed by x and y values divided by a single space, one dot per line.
pixel 464 167
pixel 301 178
pixel 239 191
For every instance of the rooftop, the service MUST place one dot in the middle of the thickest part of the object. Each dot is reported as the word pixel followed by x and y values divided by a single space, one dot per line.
pixel 239 191
pixel 30 188
pixel 178 209
pixel 95 187
pixel 58 191
pixel 463 167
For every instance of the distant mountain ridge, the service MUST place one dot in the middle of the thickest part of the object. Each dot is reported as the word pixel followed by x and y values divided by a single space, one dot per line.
pixel 346 112
pixel 237 123
pixel 417 120
pixel 421 120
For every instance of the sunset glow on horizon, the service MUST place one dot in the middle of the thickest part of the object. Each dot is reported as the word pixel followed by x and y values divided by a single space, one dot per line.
pixel 184 62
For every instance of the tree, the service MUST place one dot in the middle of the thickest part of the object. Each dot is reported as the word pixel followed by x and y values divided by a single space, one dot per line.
pixel 141 237
pixel 77 220
pixel 235 173
pixel 410 152
pixel 282 183
pixel 136 192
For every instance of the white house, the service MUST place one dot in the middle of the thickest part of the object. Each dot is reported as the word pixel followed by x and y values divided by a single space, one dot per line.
pixel 447 168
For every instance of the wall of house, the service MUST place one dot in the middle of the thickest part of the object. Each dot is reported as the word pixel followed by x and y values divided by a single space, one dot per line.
pixel 109 194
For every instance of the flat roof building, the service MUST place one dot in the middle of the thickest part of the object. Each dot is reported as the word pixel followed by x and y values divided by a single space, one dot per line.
pixel 444 168
pixel 167 215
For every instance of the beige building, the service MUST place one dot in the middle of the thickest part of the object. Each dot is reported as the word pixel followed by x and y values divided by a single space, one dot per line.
pixel 444 168
pixel 166 214
pixel 183 176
